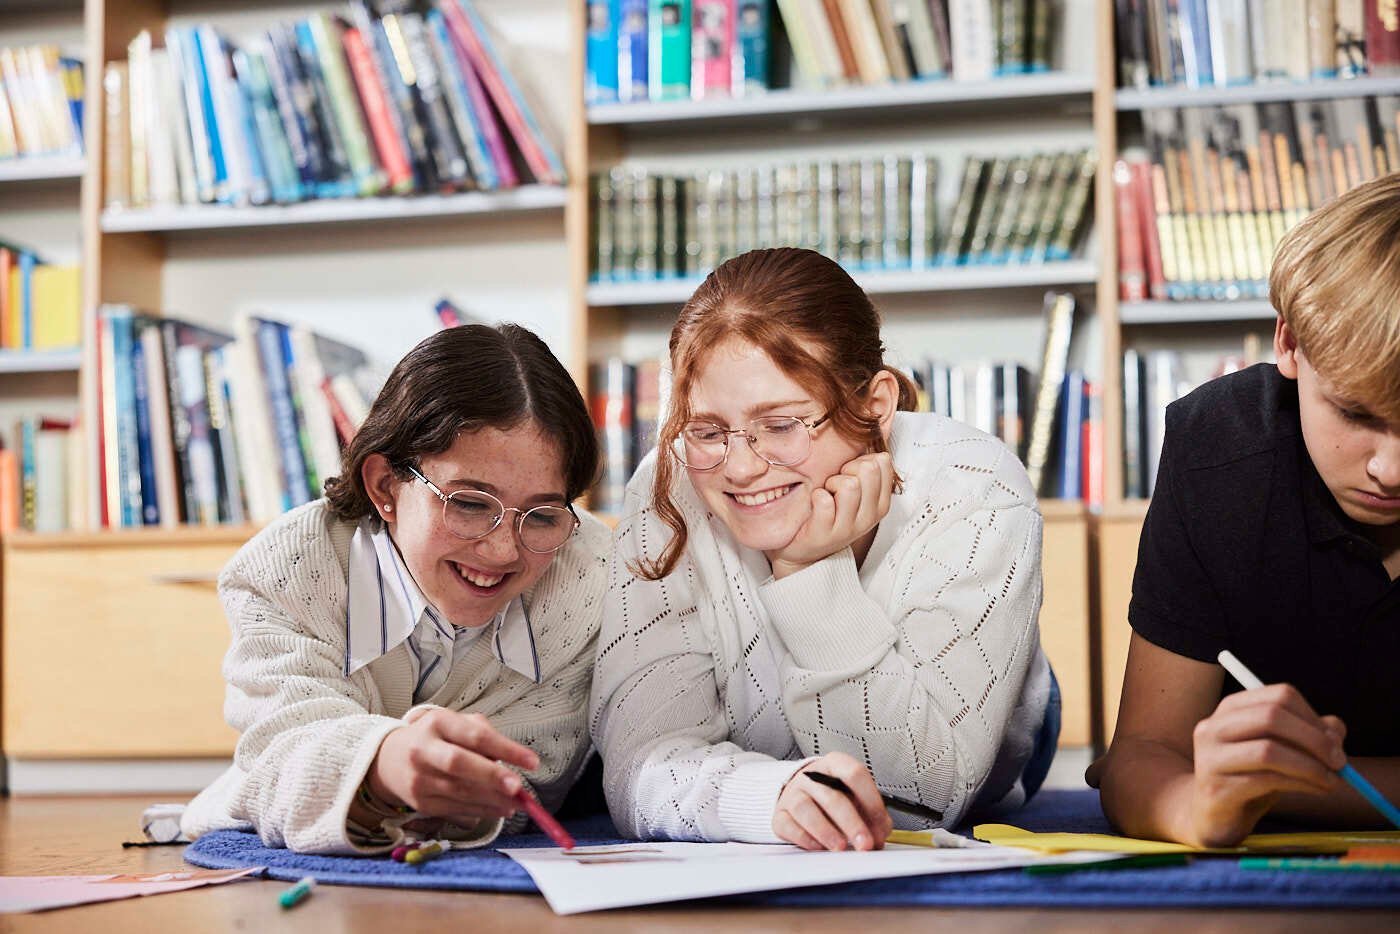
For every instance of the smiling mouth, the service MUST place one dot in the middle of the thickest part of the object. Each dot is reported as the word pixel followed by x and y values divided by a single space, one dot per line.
pixel 762 497
pixel 480 581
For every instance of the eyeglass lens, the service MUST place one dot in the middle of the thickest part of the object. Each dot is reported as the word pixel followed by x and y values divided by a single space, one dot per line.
pixel 474 515
pixel 781 440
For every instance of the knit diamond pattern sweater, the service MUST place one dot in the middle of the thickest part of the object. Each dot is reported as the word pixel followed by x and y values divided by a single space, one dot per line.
pixel 309 732
pixel 714 684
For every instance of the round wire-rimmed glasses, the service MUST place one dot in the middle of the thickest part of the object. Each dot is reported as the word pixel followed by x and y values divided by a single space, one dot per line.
pixel 781 440
pixel 475 514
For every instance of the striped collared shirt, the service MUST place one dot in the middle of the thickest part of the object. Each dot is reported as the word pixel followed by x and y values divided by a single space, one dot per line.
pixel 386 608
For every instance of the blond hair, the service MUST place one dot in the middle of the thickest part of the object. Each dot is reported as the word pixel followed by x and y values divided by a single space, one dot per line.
pixel 1336 282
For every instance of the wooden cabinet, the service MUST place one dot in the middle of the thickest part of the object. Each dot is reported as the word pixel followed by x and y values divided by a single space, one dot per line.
pixel 1117 557
pixel 112 645
pixel 1065 618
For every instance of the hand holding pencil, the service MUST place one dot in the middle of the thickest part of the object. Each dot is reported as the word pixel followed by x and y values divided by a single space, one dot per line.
pixel 816 816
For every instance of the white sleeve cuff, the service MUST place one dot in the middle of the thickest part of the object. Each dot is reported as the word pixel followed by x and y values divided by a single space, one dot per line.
pixel 749 796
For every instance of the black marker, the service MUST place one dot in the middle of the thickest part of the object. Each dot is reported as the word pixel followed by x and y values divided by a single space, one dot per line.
pixel 891 802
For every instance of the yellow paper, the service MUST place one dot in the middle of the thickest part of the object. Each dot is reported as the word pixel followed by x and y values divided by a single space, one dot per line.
pixel 1322 842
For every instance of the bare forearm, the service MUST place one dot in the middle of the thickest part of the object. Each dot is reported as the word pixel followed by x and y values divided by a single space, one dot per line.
pixel 1146 790
pixel 1346 808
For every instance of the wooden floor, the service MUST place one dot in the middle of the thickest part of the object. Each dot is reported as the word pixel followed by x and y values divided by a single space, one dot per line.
pixel 83 836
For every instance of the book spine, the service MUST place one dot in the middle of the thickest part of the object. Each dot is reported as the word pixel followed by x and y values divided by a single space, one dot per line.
pixel 1061 175
pixel 203 476
pixel 293 108
pixel 297 395
pixel 284 422
pixel 600 84
pixel 539 153
pixel 973 40
pixel 231 497
pixel 1132 266
pixel 451 70
pixel 339 180
pixel 888 32
pixel 379 112
pixel 449 160
pixel 1383 37
pixel 325 40
pixel 604 198
pixel 128 489
pixel 150 510
pixel 1076 209
pixel 1351 38
pixel 117 165
pixel 1155 226
pixel 750 74
pixel 281 169
pixel 668 51
pixel 955 242
pixel 671 236
pixel 712 43
pixel 632 49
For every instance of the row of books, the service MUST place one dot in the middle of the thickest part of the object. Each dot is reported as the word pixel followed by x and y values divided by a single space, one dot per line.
pixel 870 213
pixel 37 476
pixel 202 427
pixel 1201 211
pixel 1151 381
pixel 40 303
pixel 415 100
pixel 675 49
pixel 41 102
pixel 1198 43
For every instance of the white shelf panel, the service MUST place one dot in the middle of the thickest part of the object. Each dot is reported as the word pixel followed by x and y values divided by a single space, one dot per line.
pixel 1195 312
pixel 894 96
pixel 40 361
pixel 1135 99
pixel 346 210
pixel 41 168
pixel 952 279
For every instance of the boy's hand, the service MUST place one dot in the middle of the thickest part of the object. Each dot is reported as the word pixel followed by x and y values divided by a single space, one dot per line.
pixel 1257 745
pixel 850 504
pixel 816 817
pixel 444 764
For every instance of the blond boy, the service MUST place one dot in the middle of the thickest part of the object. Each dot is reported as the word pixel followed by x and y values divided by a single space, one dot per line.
pixel 1274 531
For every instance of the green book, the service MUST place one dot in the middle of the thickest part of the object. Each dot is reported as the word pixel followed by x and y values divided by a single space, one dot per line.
pixel 668 49
pixel 345 104
pixel 603 208
pixel 959 224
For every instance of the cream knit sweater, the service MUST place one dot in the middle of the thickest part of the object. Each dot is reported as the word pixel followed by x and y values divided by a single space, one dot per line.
pixel 309 732
pixel 713 684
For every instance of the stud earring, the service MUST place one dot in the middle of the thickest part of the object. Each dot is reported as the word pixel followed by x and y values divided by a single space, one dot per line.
pixel 388 507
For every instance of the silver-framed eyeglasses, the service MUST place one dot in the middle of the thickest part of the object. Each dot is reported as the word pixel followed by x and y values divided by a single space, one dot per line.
pixel 475 514
pixel 781 440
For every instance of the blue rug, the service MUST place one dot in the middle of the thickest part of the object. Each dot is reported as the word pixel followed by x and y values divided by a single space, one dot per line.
pixel 1212 882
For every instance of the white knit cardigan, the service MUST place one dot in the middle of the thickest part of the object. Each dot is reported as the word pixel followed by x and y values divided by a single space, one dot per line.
pixel 310 732
pixel 714 684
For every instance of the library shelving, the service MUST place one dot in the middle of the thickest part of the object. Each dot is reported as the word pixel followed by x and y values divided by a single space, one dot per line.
pixel 1010 93
pixel 1133 99
pixel 1194 312
pixel 42 168
pixel 520 200
pixel 876 282
pixel 40 361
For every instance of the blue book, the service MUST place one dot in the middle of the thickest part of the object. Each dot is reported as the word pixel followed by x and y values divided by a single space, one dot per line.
pixel 284 418
pixel 751 46
pixel 28 473
pixel 1195 43
pixel 600 86
pixel 1071 435
pixel 454 81
pixel 150 510
pixel 632 41
pixel 128 493
pixel 279 166
pixel 294 390
pixel 27 262
pixel 211 119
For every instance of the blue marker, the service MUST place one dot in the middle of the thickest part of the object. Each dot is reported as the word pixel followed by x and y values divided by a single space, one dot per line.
pixel 297 893
pixel 1349 775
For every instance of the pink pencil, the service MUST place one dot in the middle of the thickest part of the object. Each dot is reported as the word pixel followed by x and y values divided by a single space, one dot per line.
pixel 544 820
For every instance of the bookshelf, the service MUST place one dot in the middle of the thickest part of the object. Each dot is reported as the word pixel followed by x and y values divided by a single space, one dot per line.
pixel 39 361
pixel 41 169
pixel 1133 99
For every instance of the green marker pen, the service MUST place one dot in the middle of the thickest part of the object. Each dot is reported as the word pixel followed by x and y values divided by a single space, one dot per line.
pixel 297 893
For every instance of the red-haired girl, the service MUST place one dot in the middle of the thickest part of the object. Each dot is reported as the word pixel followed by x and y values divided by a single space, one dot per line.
pixel 808 576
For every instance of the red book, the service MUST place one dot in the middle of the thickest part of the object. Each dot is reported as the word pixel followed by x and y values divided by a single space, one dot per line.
pixel 485 117
pixel 543 162
pixel 9 491
pixel 343 426
pixel 1151 243
pixel 712 37
pixel 376 104
pixel 7 262
pixel 1383 37
pixel 1132 272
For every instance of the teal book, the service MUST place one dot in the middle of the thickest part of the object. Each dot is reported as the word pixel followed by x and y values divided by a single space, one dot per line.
pixel 668 49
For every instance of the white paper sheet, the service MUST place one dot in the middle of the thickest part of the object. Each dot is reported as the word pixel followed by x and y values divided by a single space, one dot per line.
pixel 39 893
pixel 592 878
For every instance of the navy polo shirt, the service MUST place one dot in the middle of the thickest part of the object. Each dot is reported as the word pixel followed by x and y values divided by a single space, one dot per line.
pixel 1244 548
